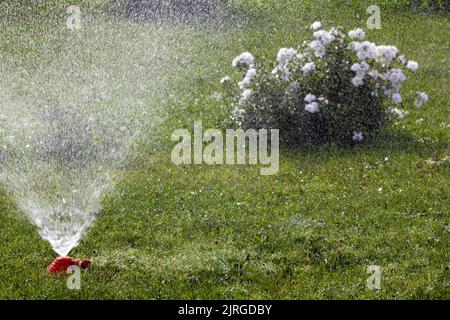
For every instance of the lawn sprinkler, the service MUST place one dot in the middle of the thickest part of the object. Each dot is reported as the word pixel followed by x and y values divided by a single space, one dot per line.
pixel 61 264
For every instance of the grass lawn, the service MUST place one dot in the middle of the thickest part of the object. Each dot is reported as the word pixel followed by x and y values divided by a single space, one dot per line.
pixel 208 232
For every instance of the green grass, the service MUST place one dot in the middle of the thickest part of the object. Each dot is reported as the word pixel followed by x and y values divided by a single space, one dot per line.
pixel 311 231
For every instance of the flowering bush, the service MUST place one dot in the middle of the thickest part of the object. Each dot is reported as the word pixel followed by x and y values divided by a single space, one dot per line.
pixel 432 5
pixel 338 87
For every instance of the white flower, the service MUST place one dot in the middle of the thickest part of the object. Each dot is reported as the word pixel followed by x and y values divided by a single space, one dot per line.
pixel 358 136
pixel 238 112
pixel 401 59
pixel 355 67
pixel 316 25
pixel 357 34
pixel 225 79
pixel 412 66
pixel 357 81
pixel 364 66
pixel 397 98
pixel 364 50
pixel 360 69
pixel 323 36
pixel 244 59
pixel 318 48
pixel 285 55
pixel 300 56
pixel 310 98
pixel 310 66
pixel 285 74
pixel 323 100
pixel 397 113
pixel 312 107
pixel 251 73
pixel 396 77
pixel 336 33
pixel 420 99
pixel 245 96
pixel 423 96
pixel 244 84
pixel 385 54
pixel 281 72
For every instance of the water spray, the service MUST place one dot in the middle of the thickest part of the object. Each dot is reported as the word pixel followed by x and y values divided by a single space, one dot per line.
pixel 71 119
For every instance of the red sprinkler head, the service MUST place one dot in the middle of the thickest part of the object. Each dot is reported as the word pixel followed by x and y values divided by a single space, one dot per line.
pixel 83 263
pixel 61 264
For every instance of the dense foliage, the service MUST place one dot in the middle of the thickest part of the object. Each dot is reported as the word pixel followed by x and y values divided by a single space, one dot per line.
pixel 337 87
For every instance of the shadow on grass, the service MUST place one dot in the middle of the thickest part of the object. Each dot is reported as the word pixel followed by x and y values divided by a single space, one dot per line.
pixel 386 141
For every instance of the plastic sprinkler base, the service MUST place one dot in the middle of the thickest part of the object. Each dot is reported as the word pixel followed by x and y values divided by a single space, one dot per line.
pixel 61 264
